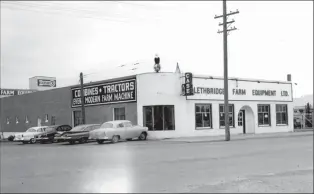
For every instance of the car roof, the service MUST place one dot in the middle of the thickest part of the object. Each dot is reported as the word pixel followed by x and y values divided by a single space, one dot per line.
pixel 37 127
pixel 87 125
pixel 118 121
pixel 55 126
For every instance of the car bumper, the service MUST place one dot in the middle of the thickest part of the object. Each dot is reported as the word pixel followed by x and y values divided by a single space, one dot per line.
pixel 21 139
pixel 44 139
pixel 98 138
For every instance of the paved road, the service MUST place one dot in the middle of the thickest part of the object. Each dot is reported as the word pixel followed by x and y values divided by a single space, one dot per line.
pixel 257 165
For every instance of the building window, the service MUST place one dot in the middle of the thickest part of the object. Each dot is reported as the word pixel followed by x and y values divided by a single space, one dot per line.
pixel 26 119
pixel 53 120
pixel 222 115
pixel 240 119
pixel 8 120
pixel 78 118
pixel 119 113
pixel 263 115
pixel 46 118
pixel 16 120
pixel 281 114
pixel 203 116
pixel 159 118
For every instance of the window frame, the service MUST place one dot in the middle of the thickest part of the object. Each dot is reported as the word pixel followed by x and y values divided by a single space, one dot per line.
pixel 233 121
pixel 210 117
pixel 17 120
pixel 241 119
pixel 46 118
pixel 163 116
pixel 26 119
pixel 269 115
pixel 118 108
pixel 8 121
pixel 286 112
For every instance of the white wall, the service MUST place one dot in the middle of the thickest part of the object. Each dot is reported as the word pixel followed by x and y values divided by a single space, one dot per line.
pixel 165 89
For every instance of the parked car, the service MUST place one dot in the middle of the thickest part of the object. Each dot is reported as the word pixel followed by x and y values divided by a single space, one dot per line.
pixel 117 130
pixel 51 131
pixel 30 135
pixel 79 133
pixel 11 138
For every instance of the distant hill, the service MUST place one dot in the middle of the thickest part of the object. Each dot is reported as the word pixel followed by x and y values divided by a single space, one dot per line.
pixel 303 100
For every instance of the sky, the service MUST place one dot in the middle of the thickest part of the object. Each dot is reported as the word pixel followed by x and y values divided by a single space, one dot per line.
pixel 104 39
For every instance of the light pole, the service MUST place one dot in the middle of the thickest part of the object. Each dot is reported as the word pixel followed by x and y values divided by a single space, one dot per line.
pixel 225 54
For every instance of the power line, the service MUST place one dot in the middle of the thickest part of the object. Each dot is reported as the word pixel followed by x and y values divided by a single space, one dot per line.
pixel 85 13
pixel 64 11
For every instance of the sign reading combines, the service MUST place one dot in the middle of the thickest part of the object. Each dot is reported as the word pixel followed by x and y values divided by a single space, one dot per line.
pixel 14 92
pixel 106 93
pixel 188 86
pixel 46 83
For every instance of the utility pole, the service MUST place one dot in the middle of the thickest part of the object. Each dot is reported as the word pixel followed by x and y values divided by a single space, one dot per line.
pixel 82 98
pixel 225 32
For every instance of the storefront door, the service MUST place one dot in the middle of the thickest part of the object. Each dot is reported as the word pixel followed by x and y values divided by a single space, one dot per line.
pixel 241 120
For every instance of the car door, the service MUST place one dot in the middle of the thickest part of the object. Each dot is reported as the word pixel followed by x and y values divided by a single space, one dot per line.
pixel 121 131
pixel 130 130
pixel 137 130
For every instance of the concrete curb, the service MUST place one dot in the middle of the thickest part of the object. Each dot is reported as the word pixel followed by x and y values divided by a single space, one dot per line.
pixel 241 138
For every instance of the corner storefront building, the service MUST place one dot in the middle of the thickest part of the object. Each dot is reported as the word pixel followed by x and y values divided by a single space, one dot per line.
pixel 169 104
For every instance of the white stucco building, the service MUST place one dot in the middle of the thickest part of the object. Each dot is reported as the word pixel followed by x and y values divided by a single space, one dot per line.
pixel 156 100
pixel 256 106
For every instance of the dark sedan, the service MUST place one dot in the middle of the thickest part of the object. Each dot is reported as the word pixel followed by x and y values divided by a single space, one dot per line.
pixel 51 132
pixel 79 133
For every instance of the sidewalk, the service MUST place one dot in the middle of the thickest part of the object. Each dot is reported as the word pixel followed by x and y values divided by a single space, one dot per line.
pixel 238 137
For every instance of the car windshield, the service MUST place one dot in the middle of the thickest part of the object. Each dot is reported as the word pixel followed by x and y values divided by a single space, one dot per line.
pixel 107 125
pixel 31 130
pixel 79 128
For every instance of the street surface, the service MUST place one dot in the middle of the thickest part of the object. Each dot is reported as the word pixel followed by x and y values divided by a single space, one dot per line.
pixel 253 165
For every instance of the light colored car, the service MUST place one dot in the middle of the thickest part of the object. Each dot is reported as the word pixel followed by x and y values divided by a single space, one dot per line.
pixel 117 130
pixel 30 135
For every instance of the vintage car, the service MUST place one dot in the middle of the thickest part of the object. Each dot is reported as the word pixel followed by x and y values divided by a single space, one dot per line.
pixel 30 135
pixel 51 131
pixel 117 130
pixel 79 133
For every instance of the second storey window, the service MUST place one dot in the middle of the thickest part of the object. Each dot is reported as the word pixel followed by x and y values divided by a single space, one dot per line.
pixel 203 116
pixel 263 114
pixel 281 114
pixel 119 113
pixel 222 115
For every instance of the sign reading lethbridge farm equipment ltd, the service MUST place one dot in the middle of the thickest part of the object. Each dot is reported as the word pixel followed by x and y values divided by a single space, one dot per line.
pixel 106 93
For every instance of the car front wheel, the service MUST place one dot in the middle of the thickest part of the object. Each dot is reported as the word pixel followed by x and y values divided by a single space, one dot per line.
pixel 115 139
pixel 143 136
pixel 100 141
pixel 32 141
